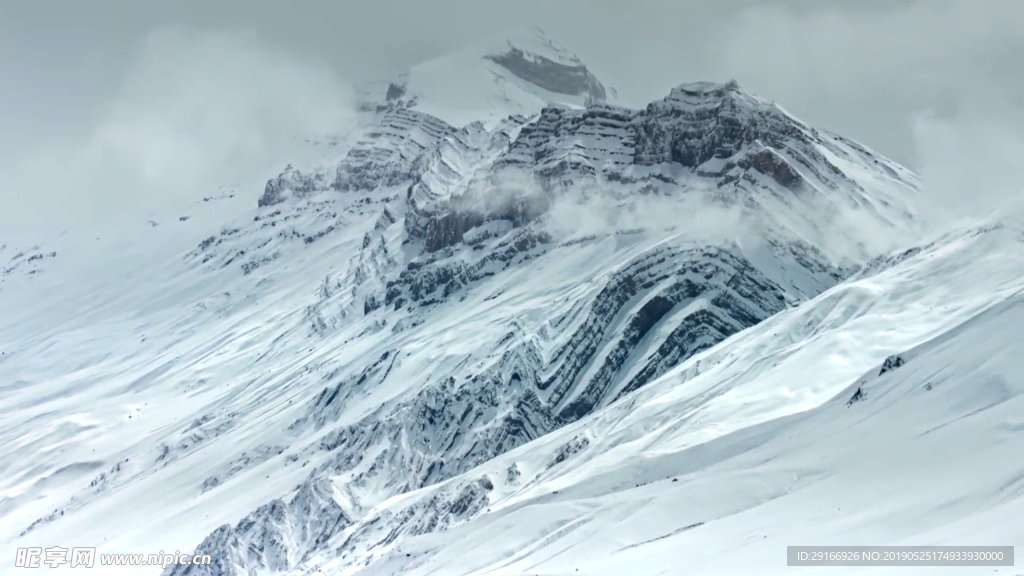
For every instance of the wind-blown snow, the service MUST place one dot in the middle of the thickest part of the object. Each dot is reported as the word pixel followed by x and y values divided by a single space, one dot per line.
pixel 455 341
pixel 755 444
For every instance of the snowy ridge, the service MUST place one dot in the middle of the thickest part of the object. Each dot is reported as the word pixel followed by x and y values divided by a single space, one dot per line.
pixel 718 143
pixel 517 74
pixel 532 40
pixel 393 358
pixel 713 449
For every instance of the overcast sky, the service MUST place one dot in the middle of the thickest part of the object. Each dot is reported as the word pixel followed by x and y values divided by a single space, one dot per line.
pixel 90 88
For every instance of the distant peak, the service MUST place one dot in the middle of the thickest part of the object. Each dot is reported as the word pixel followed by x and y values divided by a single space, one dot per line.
pixel 532 40
pixel 531 56
pixel 518 72
pixel 708 88
pixel 698 94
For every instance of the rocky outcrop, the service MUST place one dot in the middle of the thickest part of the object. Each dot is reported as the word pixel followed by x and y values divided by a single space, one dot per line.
pixel 450 224
pixel 291 182
pixel 574 80
pixel 436 279
pixel 891 363
pixel 395 91
pixel 737 296
pixel 398 149
pixel 274 538
pixel 453 209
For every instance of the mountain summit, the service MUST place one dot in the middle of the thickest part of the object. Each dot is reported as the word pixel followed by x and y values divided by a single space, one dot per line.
pixel 489 283
pixel 515 328
pixel 517 74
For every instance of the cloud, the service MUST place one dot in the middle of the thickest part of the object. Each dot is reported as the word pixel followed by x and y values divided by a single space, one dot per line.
pixel 693 215
pixel 865 69
pixel 196 110
pixel 970 162
pixel 932 84
pixel 843 51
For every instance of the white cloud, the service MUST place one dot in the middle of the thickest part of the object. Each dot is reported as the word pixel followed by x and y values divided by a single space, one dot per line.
pixel 971 162
pixel 196 110
pixel 692 214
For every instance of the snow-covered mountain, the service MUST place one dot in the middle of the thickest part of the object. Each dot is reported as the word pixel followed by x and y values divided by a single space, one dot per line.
pixel 515 328
pixel 886 409
pixel 517 73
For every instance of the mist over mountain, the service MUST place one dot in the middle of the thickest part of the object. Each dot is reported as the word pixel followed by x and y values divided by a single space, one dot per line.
pixel 488 319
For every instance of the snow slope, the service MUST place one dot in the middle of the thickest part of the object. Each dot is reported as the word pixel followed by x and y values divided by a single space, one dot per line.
pixel 391 360
pixel 760 442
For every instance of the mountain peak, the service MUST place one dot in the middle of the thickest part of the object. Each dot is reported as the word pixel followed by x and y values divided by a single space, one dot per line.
pixel 703 88
pixel 534 58
pixel 713 93
pixel 518 73
pixel 533 40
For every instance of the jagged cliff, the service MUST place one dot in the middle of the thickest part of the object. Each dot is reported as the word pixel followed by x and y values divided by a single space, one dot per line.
pixel 494 282
pixel 456 222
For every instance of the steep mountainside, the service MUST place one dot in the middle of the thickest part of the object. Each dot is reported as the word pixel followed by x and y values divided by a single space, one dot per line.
pixel 886 409
pixel 464 320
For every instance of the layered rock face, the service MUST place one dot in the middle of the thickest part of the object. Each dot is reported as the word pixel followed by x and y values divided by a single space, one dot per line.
pixel 455 222
pixel 702 135
pixel 551 76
